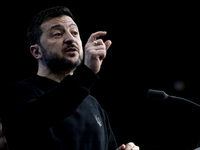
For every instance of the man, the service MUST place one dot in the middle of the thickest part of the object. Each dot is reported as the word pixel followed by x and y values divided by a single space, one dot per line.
pixel 53 110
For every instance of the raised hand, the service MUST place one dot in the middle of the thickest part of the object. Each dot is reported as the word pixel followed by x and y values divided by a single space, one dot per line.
pixel 95 51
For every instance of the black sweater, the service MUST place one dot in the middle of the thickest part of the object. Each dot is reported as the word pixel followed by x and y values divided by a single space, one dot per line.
pixel 41 114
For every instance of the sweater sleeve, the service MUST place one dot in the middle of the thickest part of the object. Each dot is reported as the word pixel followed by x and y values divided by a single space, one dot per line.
pixel 54 105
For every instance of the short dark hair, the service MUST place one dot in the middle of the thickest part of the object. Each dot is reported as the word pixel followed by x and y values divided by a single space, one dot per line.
pixel 34 31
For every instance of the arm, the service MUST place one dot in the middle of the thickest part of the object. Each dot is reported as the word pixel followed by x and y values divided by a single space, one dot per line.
pixel 56 104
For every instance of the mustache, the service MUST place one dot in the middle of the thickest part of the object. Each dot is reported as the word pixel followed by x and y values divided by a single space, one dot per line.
pixel 70 46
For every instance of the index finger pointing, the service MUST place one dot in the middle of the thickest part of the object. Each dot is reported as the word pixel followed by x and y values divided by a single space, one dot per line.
pixel 95 35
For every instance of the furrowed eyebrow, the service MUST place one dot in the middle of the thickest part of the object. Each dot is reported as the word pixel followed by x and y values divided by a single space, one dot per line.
pixel 61 26
pixel 56 26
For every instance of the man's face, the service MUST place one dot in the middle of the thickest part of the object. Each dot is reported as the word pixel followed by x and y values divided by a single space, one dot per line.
pixel 60 44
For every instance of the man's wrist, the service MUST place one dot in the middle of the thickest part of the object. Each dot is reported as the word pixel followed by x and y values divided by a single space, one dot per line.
pixel 85 76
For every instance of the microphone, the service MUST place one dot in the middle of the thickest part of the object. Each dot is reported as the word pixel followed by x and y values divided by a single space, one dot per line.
pixel 161 95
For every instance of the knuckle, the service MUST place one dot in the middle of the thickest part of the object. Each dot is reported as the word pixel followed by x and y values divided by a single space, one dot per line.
pixel 101 41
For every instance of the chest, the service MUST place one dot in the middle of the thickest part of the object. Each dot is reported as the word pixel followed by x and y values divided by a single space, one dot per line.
pixel 86 126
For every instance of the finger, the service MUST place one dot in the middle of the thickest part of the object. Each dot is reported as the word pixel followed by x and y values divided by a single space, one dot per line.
pixel 136 148
pixel 129 146
pixel 108 44
pixel 95 35
pixel 122 147
pixel 100 47
pixel 101 54
pixel 98 42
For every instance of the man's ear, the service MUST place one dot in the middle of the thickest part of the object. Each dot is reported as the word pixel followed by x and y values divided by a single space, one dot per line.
pixel 36 51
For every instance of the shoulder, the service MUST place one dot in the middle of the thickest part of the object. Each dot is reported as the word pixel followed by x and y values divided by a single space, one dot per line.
pixel 19 85
pixel 93 101
pixel 28 86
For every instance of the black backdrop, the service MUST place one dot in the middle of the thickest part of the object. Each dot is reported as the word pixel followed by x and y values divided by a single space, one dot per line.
pixel 155 45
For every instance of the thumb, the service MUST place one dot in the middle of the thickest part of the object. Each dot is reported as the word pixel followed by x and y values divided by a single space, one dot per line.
pixel 108 44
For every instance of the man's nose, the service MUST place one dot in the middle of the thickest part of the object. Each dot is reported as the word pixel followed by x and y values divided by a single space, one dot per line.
pixel 68 38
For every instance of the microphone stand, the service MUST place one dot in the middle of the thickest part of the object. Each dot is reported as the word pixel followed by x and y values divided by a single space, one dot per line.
pixel 161 95
pixel 183 99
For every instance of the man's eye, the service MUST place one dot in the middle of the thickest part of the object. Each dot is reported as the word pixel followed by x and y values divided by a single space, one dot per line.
pixel 57 34
pixel 74 33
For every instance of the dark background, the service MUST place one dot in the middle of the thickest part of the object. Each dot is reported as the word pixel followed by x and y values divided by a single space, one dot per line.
pixel 155 45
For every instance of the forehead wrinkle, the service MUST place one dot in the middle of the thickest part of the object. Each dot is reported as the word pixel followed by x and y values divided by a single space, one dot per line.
pixel 61 26
pixel 57 26
pixel 62 22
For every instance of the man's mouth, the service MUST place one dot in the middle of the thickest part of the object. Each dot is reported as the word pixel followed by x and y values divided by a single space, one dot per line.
pixel 71 50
